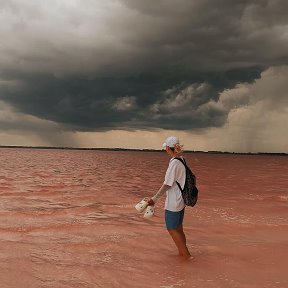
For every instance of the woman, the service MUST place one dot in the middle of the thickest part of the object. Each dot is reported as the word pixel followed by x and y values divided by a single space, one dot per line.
pixel 174 204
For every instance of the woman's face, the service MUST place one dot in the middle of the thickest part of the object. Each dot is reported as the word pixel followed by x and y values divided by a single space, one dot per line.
pixel 169 151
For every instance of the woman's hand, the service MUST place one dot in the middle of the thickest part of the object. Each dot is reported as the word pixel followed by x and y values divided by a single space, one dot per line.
pixel 151 202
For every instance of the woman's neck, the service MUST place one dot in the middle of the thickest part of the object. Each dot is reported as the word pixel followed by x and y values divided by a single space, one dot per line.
pixel 176 155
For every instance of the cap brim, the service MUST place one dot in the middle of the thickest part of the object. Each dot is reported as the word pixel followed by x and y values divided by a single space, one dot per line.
pixel 164 146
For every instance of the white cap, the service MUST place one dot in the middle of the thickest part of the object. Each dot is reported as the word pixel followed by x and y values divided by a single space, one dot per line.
pixel 171 142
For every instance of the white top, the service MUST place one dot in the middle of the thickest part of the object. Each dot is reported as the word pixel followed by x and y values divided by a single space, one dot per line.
pixel 175 172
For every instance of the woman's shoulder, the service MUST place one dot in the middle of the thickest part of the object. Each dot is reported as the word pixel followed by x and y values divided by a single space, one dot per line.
pixel 176 161
pixel 178 157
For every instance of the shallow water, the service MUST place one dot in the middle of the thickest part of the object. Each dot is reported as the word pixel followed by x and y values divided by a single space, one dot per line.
pixel 68 220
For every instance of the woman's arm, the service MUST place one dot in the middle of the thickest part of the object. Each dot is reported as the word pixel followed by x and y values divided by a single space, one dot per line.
pixel 160 192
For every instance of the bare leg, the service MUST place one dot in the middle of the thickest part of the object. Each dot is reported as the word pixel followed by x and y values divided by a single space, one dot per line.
pixel 179 240
pixel 180 229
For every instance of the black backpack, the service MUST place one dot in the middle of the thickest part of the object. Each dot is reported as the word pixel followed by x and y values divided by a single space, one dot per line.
pixel 190 191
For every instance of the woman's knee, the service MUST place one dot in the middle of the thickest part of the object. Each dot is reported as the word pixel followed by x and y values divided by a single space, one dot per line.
pixel 177 230
pixel 172 230
pixel 180 228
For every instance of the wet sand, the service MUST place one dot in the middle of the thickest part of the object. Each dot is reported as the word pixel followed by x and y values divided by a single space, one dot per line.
pixel 68 220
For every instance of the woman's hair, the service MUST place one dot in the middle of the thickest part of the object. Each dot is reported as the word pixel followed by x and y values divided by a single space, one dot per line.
pixel 177 149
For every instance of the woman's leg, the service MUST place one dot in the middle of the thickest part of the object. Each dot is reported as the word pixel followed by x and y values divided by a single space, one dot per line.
pixel 175 219
pixel 184 239
pixel 180 229
pixel 180 242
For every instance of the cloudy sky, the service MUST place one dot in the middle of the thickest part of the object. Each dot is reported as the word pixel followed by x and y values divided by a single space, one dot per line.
pixel 129 73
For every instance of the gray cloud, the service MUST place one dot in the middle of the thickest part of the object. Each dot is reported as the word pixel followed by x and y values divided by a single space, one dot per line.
pixel 257 114
pixel 13 122
pixel 136 64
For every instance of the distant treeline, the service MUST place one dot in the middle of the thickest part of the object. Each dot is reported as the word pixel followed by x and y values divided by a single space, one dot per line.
pixel 145 150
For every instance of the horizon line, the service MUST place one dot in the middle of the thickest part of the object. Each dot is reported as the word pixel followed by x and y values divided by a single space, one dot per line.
pixel 141 149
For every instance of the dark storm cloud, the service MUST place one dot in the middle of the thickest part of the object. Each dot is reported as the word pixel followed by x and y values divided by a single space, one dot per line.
pixel 106 103
pixel 135 64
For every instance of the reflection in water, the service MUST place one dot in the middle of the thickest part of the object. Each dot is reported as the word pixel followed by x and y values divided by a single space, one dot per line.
pixel 68 220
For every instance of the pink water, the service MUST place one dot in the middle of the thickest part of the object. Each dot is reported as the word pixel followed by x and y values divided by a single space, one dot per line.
pixel 68 220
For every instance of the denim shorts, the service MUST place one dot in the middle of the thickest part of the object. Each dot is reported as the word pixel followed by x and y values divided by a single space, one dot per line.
pixel 174 219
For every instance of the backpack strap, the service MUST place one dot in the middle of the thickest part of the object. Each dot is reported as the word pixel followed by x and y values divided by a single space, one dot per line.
pixel 179 186
pixel 184 163
pixel 182 160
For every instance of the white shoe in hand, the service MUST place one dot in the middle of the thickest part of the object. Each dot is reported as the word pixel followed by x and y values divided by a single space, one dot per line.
pixel 149 212
pixel 140 207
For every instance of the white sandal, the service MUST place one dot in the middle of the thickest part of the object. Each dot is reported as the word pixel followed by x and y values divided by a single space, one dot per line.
pixel 140 207
pixel 149 212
